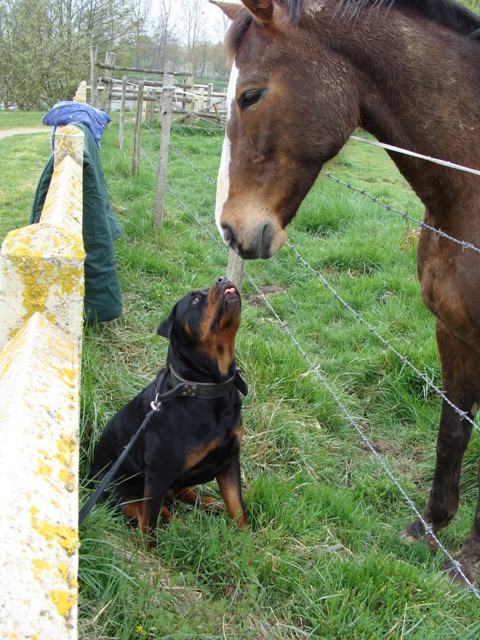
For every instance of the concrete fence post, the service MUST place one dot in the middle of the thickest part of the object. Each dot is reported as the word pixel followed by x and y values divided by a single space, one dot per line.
pixel 68 142
pixel 41 320
pixel 81 94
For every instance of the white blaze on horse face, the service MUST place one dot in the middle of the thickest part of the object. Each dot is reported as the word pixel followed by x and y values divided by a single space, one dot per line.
pixel 223 178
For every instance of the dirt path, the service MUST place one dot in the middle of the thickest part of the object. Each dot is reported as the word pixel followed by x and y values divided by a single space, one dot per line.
pixel 6 133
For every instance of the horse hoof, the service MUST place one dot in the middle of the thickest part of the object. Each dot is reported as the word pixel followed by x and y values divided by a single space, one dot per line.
pixel 467 577
pixel 416 531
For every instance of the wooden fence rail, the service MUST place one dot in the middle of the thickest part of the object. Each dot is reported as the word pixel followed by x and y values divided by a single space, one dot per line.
pixel 106 88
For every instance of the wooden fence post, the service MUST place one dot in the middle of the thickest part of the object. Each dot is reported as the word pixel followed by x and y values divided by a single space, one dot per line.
pixel 235 269
pixel 190 99
pixel 109 61
pixel 209 95
pixel 121 127
pixel 201 99
pixel 166 105
pixel 151 106
pixel 138 124
pixel 93 77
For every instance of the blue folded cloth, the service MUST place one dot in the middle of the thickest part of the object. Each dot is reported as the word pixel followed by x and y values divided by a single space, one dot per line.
pixel 66 112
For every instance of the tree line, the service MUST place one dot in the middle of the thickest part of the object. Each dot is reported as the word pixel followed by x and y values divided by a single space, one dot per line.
pixel 45 44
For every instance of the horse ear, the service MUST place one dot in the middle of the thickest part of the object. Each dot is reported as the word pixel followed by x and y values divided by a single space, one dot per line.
pixel 229 9
pixel 262 10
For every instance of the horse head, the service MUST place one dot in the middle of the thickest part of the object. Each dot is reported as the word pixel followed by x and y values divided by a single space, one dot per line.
pixel 280 128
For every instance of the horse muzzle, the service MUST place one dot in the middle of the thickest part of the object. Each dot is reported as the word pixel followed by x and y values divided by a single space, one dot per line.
pixel 261 242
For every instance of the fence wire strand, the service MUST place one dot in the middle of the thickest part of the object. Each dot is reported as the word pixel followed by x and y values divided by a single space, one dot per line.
pixel 405 216
pixel 455 564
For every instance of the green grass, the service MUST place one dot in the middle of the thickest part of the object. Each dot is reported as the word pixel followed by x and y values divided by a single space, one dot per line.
pixel 323 557
pixel 10 119
pixel 26 156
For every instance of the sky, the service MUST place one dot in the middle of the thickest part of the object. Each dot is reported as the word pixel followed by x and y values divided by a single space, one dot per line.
pixel 213 17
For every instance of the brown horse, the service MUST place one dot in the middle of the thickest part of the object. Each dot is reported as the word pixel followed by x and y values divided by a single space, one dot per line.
pixel 305 74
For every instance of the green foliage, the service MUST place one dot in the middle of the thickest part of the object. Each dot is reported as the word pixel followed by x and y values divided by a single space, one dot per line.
pixel 323 557
pixel 473 5
pixel 45 45
pixel 42 56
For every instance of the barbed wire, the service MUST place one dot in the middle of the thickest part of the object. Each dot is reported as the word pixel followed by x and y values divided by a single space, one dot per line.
pixel 428 532
pixel 463 414
pixel 183 156
pixel 388 207
pixel 455 564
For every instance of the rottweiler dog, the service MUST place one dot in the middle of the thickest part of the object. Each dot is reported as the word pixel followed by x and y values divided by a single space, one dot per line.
pixel 195 432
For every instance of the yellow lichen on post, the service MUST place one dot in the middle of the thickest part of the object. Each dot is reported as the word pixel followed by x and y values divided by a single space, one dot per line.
pixel 41 271
pixel 39 417
pixel 41 266
pixel 68 142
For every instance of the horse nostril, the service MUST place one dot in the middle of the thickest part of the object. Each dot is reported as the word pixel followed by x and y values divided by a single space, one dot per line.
pixel 228 235
pixel 266 240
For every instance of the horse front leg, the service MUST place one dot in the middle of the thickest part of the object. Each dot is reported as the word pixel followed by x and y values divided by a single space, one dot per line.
pixel 461 383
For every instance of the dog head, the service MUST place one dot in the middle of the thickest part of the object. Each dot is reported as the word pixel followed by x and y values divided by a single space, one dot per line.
pixel 202 327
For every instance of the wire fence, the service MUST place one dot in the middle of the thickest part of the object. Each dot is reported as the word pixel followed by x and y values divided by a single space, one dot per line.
pixel 213 234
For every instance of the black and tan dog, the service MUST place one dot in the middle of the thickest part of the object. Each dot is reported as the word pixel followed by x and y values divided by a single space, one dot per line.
pixel 195 434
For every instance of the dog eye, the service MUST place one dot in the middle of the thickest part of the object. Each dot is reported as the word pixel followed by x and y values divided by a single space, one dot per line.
pixel 250 97
pixel 196 299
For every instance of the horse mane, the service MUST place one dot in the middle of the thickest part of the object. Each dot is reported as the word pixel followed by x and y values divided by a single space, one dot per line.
pixel 448 13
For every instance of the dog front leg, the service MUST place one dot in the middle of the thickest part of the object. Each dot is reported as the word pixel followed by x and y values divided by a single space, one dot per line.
pixel 229 483
pixel 155 490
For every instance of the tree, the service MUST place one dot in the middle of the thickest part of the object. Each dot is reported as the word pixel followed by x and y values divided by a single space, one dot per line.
pixel 164 41
pixel 194 31
pixel 39 61
pixel 44 45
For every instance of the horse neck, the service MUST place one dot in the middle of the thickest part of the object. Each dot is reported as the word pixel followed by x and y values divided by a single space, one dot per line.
pixel 419 90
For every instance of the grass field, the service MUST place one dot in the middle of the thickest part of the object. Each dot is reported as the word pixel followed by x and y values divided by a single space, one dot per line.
pixel 323 557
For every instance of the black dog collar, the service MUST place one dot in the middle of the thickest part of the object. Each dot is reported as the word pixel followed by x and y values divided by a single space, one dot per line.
pixel 205 390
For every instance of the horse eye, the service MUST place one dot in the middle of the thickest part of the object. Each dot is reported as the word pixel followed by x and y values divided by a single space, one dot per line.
pixel 250 97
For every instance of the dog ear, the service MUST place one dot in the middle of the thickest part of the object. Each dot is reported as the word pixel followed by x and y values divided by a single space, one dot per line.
pixel 166 326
